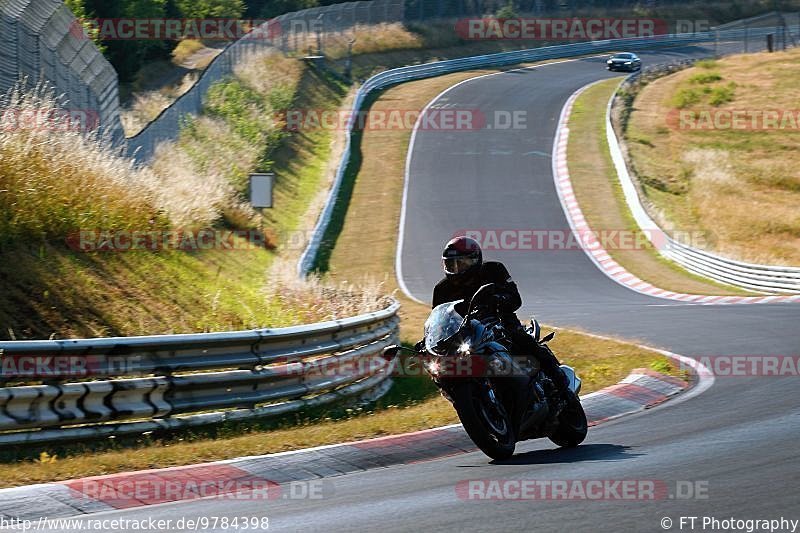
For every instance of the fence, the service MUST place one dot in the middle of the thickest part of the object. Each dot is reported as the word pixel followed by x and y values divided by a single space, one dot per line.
pixel 39 42
pixel 265 373
pixel 166 127
pixel 783 27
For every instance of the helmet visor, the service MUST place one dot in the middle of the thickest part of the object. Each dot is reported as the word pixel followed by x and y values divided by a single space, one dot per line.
pixel 458 265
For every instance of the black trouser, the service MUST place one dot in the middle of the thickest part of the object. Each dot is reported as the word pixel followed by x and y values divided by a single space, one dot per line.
pixel 525 345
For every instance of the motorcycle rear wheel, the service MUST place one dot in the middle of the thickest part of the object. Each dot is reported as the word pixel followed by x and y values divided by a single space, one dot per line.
pixel 484 420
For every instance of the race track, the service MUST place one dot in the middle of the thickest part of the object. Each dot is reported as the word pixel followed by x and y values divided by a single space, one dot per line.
pixel 740 437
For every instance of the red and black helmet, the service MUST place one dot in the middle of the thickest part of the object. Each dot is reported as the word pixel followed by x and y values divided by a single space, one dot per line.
pixel 461 255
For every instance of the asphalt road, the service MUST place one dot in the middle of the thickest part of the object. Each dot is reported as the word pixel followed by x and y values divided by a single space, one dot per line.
pixel 738 440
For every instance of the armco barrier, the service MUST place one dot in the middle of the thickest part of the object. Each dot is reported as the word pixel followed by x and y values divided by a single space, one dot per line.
pixel 427 70
pixel 260 373
pixel 765 278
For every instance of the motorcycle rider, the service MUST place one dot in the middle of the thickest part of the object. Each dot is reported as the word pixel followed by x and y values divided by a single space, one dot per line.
pixel 465 272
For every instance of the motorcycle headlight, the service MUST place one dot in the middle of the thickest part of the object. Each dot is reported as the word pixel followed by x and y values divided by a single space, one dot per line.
pixel 433 367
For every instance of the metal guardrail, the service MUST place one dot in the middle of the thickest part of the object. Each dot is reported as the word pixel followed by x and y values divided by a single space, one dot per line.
pixel 764 278
pixel 261 373
pixel 416 72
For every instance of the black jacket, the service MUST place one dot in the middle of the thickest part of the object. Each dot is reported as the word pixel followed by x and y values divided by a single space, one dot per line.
pixel 495 272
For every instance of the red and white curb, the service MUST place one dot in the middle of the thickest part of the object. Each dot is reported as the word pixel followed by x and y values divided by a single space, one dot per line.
pixel 271 477
pixel 594 248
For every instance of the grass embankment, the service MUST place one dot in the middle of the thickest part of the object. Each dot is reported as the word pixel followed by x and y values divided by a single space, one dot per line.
pixel 159 83
pixel 602 201
pixel 737 183
pixel 54 183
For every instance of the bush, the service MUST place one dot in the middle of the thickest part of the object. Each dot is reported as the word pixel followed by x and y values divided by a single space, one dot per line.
pixel 211 8
pixel 686 97
pixel 507 11
pixel 705 77
pixel 706 63
pixel 722 94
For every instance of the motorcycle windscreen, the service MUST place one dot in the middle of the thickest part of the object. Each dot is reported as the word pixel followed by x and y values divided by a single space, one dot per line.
pixel 443 323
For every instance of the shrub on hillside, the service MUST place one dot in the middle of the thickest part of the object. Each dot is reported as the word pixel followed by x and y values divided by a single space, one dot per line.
pixel 54 180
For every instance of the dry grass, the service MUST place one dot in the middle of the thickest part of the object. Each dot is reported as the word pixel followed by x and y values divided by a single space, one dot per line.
pixel 208 165
pixel 265 71
pixel 314 298
pixel 143 109
pixel 167 81
pixel 58 181
pixel 185 50
pixel 366 39
pixel 740 186
pixel 54 180
pixel 53 183
pixel 146 106
pixel 603 203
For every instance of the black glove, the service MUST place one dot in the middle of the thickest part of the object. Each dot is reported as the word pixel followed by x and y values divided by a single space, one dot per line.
pixel 500 301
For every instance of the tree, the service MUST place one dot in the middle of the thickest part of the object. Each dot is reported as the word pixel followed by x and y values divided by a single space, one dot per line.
pixel 211 8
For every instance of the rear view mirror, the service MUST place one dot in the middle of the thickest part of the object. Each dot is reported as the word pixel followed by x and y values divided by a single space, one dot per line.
pixel 536 329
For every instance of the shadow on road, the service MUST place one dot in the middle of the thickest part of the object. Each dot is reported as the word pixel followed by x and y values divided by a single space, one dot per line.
pixel 588 452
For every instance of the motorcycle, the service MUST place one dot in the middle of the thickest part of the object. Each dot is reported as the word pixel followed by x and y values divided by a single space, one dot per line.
pixel 500 399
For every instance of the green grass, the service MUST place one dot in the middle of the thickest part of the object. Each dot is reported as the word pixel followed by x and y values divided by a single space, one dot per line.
pixel 706 63
pixel 705 77
pixel 722 94
pixel 686 97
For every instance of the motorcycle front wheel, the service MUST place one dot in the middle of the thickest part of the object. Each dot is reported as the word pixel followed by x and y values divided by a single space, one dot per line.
pixel 572 425
pixel 484 418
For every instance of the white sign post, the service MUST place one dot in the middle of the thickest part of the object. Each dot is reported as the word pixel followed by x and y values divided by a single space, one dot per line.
pixel 261 190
